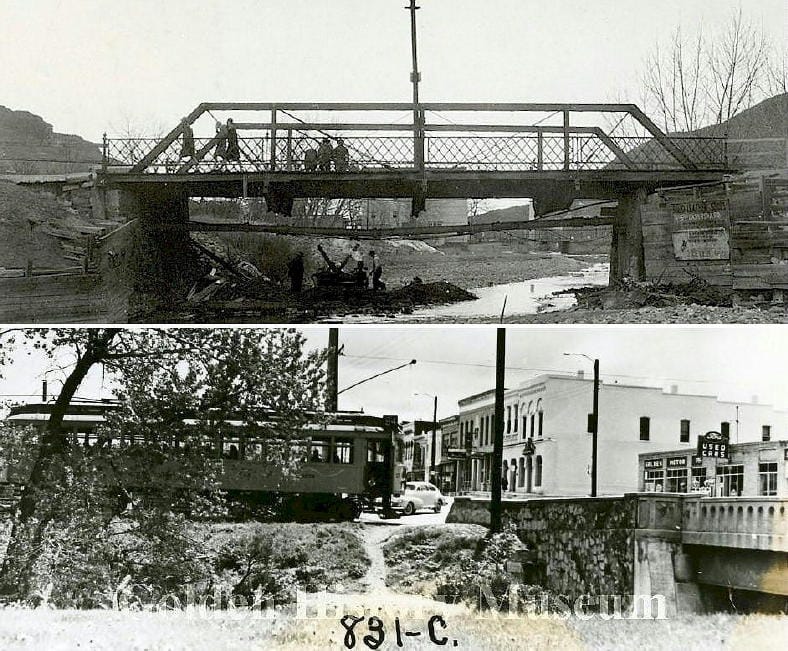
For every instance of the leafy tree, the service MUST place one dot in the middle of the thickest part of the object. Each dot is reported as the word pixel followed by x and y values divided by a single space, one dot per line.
pixel 118 508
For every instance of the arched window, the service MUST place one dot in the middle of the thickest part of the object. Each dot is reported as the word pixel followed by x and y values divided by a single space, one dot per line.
pixel 532 417
pixel 521 473
pixel 515 417
pixel 508 419
pixel 540 416
pixel 538 472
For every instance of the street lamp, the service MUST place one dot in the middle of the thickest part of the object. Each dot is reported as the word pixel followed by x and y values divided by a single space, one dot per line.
pixel 594 424
pixel 434 431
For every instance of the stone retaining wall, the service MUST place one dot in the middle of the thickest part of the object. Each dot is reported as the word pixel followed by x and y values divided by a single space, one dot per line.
pixel 578 546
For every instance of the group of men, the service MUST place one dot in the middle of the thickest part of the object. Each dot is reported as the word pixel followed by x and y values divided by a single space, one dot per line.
pixel 322 158
pixel 226 149
pixel 295 270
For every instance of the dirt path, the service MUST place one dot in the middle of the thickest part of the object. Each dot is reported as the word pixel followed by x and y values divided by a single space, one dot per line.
pixel 374 536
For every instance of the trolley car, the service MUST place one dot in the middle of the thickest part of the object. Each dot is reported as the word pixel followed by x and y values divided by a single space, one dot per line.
pixel 346 458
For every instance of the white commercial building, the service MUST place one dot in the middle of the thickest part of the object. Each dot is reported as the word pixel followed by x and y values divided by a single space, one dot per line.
pixel 547 447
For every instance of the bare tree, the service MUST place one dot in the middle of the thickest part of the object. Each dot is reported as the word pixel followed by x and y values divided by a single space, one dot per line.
pixel 738 63
pixel 708 78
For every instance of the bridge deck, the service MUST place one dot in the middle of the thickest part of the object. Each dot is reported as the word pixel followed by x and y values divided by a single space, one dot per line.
pixel 438 184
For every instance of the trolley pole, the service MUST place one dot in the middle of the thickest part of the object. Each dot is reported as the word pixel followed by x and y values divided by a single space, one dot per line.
pixel 332 379
pixel 496 524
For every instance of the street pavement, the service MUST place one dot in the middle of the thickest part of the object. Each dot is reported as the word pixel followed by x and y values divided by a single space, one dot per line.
pixel 420 518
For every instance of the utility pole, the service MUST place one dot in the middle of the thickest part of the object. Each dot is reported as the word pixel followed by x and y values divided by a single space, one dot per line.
pixel 415 77
pixel 595 432
pixel 434 437
pixel 496 524
pixel 332 379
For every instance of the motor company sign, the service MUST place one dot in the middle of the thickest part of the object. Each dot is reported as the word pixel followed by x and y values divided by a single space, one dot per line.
pixel 701 230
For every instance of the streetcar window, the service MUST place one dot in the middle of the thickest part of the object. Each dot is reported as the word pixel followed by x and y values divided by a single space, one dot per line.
pixel 343 451
pixel 375 451
pixel 320 450
pixel 253 452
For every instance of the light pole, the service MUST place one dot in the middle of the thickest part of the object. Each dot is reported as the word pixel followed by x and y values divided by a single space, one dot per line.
pixel 594 424
pixel 434 432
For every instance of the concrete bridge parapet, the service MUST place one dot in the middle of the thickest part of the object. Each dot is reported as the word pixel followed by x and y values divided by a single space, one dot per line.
pixel 743 523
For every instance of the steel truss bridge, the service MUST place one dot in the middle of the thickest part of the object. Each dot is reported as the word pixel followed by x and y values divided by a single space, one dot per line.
pixel 553 153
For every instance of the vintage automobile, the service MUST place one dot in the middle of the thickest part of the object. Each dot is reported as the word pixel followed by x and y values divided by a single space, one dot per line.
pixel 418 496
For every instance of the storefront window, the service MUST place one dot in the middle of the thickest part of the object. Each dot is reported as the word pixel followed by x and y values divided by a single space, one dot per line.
pixel 732 480
pixel 654 481
pixel 676 480
pixel 698 479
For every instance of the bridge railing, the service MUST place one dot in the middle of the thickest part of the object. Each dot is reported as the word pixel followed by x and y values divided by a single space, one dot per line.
pixel 752 523
pixel 282 146
pixel 466 152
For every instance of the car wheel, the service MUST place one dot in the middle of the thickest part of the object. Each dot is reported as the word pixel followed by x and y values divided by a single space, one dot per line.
pixel 409 509
pixel 437 507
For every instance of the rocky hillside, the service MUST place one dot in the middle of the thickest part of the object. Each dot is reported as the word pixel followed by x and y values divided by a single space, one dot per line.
pixel 29 145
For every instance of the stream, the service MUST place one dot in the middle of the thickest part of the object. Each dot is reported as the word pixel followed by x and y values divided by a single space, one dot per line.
pixel 526 297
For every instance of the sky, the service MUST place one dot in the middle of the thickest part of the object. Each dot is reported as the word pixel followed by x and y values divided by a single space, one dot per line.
pixel 732 362
pixel 89 66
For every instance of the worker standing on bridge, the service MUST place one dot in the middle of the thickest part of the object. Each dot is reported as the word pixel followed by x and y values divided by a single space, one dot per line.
pixel 340 156
pixel 220 153
pixel 295 269
pixel 187 141
pixel 233 150
pixel 325 152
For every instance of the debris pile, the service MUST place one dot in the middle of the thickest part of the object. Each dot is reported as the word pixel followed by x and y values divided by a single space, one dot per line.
pixel 630 294
pixel 235 286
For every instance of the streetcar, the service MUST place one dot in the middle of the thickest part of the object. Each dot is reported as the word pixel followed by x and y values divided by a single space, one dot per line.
pixel 346 458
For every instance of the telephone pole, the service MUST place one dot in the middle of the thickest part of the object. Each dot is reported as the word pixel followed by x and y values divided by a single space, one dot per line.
pixel 595 432
pixel 415 78
pixel 496 524
pixel 332 371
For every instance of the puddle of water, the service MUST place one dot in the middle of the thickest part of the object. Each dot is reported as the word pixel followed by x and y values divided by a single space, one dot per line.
pixel 525 297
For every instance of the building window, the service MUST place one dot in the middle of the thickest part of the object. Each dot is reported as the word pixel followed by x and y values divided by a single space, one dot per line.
pixel 676 480
pixel 508 419
pixel 767 475
pixel 732 480
pixel 645 428
pixel 654 481
pixel 725 429
pixel 538 478
pixel 515 418
pixel 698 478
pixel 541 420
pixel 525 426
pixel 533 421
pixel 766 433
pixel 521 473
pixel 684 437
